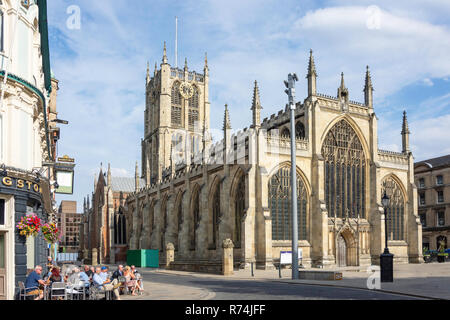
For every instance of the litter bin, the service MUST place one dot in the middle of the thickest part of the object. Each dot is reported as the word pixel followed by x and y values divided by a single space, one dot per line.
pixel 143 258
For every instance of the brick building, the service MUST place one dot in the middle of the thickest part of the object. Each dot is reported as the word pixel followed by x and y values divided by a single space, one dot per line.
pixel 69 223
pixel 103 233
pixel 433 182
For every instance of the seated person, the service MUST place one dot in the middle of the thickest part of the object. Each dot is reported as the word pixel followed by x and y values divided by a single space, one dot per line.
pixel 136 272
pixel 84 276
pixel 118 273
pixel 34 283
pixel 101 282
pixel 92 272
pixel 131 282
pixel 88 271
pixel 55 277
pixel 74 278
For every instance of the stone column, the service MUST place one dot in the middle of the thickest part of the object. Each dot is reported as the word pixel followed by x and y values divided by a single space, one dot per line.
pixel 170 254
pixel 227 262
pixel 94 261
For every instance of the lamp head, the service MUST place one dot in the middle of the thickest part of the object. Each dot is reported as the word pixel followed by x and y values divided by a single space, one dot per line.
pixel 385 200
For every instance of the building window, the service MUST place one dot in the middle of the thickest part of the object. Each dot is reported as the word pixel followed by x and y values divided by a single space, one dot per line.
pixel 345 172
pixel 395 212
pixel 215 216
pixel 280 205
pixel 439 180
pixel 193 118
pixel 239 207
pixel 2 212
pixel 422 199
pixel 440 196
pixel 423 219
pixel 193 101
pixel 195 218
pixel 299 130
pixel 176 116
pixel 441 219
pixel 421 183
pixel 286 133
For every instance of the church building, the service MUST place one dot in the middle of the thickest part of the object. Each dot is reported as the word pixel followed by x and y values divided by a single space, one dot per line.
pixel 196 194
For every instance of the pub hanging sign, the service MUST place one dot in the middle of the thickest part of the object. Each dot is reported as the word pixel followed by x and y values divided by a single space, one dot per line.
pixel 64 172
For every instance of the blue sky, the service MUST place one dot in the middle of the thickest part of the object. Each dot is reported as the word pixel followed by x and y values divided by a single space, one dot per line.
pixel 102 66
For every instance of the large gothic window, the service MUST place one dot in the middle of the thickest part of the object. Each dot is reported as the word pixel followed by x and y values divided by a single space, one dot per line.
pixel 280 205
pixel 396 210
pixel 239 207
pixel 176 95
pixel 192 118
pixel 120 231
pixel 165 212
pixel 345 172
pixel 215 216
pixel 193 101
pixel 176 113
pixel 179 214
pixel 195 218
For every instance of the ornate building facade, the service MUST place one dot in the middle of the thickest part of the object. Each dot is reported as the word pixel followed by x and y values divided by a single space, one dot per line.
pixel 103 229
pixel 197 194
pixel 27 137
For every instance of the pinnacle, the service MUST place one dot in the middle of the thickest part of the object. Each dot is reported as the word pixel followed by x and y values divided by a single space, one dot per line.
pixel 311 66
pixel 256 103
pixel 226 120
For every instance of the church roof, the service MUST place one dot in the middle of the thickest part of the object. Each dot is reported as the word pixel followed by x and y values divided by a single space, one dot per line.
pixel 435 162
pixel 125 184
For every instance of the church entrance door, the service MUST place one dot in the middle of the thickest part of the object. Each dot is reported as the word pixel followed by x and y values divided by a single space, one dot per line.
pixel 341 251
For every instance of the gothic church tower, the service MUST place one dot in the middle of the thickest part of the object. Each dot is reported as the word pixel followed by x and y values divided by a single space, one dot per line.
pixel 177 117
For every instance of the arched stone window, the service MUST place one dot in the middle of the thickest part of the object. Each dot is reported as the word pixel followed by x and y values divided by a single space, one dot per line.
pixel 179 215
pixel 193 101
pixel 285 133
pixel 120 233
pixel 280 205
pixel 195 218
pixel 396 210
pixel 215 216
pixel 176 95
pixel 239 207
pixel 300 130
pixel 345 172
pixel 176 113
pixel 165 212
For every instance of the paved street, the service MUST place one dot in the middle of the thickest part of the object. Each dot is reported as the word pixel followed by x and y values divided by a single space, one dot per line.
pixel 175 285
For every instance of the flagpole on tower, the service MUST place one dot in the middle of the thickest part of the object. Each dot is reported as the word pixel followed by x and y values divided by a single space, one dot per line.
pixel 176 42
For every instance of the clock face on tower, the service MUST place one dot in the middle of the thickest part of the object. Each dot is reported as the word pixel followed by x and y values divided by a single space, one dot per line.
pixel 186 90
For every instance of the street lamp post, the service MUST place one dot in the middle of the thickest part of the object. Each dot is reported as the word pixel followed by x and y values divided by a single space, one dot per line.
pixel 290 91
pixel 386 258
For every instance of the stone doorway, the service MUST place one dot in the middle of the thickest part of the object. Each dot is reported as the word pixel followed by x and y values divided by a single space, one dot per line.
pixel 346 249
pixel 341 252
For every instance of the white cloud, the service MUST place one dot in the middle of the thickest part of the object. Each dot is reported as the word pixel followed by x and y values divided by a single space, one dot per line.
pixel 428 82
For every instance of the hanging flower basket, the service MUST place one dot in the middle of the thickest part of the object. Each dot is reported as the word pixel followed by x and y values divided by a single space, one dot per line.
pixel 50 232
pixel 29 225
